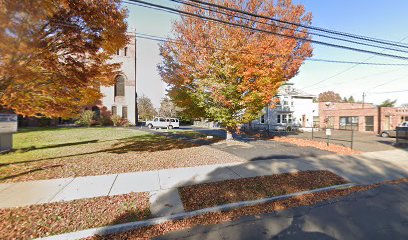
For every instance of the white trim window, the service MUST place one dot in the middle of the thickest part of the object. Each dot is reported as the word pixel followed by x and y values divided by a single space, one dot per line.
pixel 284 118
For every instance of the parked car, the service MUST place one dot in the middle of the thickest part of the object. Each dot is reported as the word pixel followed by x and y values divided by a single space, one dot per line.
pixel 392 133
pixel 161 122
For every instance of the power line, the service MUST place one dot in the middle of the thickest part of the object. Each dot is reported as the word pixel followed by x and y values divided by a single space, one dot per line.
pixel 397 91
pixel 387 42
pixel 143 4
pixel 387 82
pixel 284 27
pixel 360 78
pixel 345 70
pixel 289 28
pixel 163 39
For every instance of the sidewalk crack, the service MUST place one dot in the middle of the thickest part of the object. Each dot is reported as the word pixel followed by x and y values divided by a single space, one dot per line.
pixel 50 199
pixel 113 184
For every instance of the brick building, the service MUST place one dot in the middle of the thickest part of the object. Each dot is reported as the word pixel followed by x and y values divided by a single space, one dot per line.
pixel 361 117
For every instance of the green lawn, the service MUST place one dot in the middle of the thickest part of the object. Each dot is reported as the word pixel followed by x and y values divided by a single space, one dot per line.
pixel 46 153
pixel 37 143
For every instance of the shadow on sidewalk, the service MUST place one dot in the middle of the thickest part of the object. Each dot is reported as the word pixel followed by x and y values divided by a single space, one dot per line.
pixel 356 169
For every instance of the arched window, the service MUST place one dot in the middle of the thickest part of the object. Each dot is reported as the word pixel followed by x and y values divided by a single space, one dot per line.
pixel 120 86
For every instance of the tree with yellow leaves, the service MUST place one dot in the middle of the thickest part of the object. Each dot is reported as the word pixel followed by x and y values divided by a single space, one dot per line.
pixel 54 54
pixel 230 73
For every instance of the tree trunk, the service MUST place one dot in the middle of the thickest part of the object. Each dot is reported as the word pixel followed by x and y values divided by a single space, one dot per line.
pixel 230 131
pixel 229 136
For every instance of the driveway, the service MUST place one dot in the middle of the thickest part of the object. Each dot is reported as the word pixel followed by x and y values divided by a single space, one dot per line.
pixel 254 150
pixel 268 150
pixel 381 213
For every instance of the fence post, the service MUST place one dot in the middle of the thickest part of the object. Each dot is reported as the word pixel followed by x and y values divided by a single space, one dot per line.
pixel 352 138
pixel 312 133
pixel 328 140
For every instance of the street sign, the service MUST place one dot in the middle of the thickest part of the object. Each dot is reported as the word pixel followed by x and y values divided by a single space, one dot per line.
pixel 328 132
pixel 8 123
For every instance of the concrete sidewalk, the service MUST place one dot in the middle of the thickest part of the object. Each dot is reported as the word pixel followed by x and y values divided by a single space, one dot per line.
pixel 162 184
pixel 380 213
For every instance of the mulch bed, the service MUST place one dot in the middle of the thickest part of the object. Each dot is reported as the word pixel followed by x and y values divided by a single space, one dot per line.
pixel 317 144
pixel 53 218
pixel 216 218
pixel 213 194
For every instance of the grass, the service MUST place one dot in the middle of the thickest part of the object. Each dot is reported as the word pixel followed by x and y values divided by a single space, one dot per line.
pixel 218 193
pixel 70 152
pixel 53 218
pixel 31 144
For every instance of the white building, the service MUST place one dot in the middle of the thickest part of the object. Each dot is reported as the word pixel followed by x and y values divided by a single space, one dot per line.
pixel 120 99
pixel 295 109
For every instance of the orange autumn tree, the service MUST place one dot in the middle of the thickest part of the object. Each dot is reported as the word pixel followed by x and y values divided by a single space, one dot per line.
pixel 54 54
pixel 230 73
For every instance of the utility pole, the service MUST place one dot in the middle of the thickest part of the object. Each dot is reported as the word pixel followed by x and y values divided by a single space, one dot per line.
pixel 364 98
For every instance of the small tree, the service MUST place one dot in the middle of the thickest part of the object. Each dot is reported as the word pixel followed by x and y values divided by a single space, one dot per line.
pixel 388 103
pixel 145 108
pixel 86 118
pixel 167 108
pixel 117 120
pixel 329 96
pixel 351 99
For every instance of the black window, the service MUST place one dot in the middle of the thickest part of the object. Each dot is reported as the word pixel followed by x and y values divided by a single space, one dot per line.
pixel 124 112
pixel 117 52
pixel 114 110
pixel 349 123
pixel 125 51
pixel 369 123
pixel 262 119
pixel 120 86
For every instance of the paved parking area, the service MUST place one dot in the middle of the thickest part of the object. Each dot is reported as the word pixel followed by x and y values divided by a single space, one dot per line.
pixel 365 142
pixel 267 150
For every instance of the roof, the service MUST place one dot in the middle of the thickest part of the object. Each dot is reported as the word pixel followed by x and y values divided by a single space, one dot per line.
pixel 294 92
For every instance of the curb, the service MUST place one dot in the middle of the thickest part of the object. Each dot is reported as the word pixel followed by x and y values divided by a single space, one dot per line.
pixel 106 230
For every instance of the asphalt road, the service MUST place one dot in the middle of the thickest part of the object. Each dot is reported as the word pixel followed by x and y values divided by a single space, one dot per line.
pixel 381 213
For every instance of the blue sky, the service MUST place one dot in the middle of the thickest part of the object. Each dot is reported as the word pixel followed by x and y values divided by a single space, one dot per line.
pixel 375 18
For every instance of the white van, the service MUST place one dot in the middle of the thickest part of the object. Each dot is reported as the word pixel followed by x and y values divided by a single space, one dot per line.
pixel 160 122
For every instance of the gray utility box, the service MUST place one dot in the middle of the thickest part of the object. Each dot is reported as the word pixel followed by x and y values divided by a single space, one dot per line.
pixel 402 135
pixel 8 126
